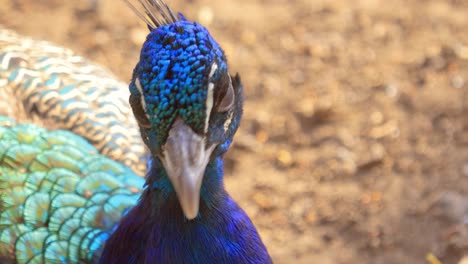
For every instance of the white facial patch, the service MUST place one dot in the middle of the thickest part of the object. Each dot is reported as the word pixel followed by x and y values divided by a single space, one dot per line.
pixel 228 121
pixel 214 67
pixel 209 96
pixel 142 99
pixel 209 104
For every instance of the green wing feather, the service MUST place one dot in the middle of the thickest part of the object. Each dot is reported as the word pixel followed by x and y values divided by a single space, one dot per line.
pixel 60 198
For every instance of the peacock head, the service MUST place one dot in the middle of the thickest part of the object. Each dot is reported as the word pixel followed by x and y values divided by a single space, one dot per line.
pixel 185 101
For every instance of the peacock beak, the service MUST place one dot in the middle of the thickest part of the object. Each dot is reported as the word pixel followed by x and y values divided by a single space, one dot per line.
pixel 185 157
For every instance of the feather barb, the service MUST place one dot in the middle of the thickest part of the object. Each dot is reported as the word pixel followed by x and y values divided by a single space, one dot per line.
pixel 154 13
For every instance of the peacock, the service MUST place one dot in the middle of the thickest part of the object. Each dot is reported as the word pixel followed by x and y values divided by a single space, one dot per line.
pixel 68 196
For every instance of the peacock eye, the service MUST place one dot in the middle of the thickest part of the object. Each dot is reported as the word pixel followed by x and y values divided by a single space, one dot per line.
pixel 227 101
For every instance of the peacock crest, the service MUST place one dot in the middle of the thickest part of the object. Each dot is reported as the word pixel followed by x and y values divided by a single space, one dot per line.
pixel 154 13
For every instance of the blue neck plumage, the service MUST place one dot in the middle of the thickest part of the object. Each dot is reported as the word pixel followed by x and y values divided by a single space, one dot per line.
pixel 160 233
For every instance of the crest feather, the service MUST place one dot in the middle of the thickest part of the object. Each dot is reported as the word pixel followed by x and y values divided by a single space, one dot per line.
pixel 154 13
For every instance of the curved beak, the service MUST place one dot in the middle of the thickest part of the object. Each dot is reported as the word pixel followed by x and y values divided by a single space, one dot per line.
pixel 185 158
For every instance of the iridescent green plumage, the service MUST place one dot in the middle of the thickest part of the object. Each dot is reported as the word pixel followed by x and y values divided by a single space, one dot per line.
pixel 61 198
pixel 42 82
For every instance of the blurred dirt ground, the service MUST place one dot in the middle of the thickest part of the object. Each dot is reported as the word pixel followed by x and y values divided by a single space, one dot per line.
pixel 354 143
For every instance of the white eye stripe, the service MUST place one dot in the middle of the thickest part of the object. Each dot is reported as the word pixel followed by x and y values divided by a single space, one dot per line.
pixel 142 98
pixel 209 104
pixel 214 67
pixel 209 96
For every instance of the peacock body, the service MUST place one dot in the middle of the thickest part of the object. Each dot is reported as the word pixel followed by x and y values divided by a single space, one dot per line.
pixel 64 201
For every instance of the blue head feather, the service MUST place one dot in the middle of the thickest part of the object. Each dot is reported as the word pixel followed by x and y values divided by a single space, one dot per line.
pixel 174 72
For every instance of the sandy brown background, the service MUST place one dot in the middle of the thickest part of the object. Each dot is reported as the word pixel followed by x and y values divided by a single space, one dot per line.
pixel 356 115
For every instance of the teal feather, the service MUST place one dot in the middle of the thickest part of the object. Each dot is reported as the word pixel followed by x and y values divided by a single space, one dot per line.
pixel 40 81
pixel 61 198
